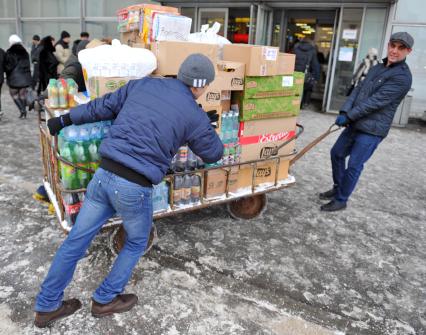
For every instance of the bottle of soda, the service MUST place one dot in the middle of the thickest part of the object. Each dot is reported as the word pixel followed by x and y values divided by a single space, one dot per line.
pixel 53 94
pixel 195 188
pixel 72 205
pixel 63 94
pixel 181 159
pixel 82 160
pixel 69 175
pixel 191 163
pixel 186 189
pixel 72 90
pixel 177 191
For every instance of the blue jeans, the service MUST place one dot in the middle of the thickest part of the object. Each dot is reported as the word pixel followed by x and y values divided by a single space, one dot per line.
pixel 106 195
pixel 359 147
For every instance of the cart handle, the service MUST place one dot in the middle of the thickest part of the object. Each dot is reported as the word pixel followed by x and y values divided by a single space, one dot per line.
pixel 333 128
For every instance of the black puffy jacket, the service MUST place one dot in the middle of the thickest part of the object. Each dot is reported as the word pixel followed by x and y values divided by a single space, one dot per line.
pixel 17 67
pixel 48 63
pixel 306 57
pixel 2 57
pixel 373 103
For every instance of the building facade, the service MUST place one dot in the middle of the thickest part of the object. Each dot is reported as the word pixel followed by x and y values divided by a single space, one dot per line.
pixel 343 31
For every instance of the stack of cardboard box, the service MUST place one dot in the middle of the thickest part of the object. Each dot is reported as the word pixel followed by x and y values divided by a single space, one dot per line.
pixel 268 106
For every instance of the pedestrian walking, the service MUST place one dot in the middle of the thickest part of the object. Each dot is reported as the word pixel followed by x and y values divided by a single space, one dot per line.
pixel 307 62
pixel 153 117
pixel 47 63
pixel 63 50
pixel 73 69
pixel 2 59
pixel 367 115
pixel 370 60
pixel 18 73
pixel 35 58
pixel 84 36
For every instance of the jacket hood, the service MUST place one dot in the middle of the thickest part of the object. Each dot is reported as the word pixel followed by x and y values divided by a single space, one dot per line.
pixel 17 49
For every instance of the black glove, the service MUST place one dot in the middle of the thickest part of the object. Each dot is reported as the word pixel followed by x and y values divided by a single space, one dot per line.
pixel 57 123
pixel 213 118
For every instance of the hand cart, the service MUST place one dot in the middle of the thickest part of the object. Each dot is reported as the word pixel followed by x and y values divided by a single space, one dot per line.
pixel 245 204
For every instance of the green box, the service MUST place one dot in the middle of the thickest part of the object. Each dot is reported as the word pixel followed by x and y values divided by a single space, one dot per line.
pixel 267 108
pixel 274 86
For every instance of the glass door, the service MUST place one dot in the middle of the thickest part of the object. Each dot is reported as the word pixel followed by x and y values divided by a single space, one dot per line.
pixel 264 20
pixel 345 56
pixel 212 15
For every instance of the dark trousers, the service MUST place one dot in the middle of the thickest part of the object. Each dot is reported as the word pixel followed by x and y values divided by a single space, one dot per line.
pixel 359 147
pixel 1 84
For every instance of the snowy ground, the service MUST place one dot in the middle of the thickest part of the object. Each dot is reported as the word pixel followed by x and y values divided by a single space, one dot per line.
pixel 294 270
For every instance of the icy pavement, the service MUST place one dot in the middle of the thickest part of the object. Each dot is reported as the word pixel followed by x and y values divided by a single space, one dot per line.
pixel 292 271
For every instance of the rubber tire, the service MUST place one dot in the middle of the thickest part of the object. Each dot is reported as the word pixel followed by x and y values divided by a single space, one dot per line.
pixel 248 207
pixel 118 236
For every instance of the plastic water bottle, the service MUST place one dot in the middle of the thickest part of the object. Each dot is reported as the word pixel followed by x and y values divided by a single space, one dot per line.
pixel 186 193
pixel 106 125
pixel 53 94
pixel 164 196
pixel 225 157
pixel 195 188
pixel 225 127
pixel 191 163
pixel 235 126
pixel 177 190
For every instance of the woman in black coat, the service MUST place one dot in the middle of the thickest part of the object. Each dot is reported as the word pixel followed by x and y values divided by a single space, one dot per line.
pixel 48 63
pixel 18 73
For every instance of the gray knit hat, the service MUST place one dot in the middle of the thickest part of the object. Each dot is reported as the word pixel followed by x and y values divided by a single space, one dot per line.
pixel 196 70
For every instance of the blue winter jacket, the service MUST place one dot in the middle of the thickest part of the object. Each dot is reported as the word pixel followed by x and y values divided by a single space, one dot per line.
pixel 373 103
pixel 153 117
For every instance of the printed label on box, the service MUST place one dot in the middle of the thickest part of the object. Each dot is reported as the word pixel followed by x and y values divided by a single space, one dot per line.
pixel 213 97
pixel 267 138
pixel 270 54
pixel 236 82
pixel 287 81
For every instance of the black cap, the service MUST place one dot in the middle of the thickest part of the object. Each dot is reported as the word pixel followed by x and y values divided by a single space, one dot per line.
pixel 36 38
pixel 404 38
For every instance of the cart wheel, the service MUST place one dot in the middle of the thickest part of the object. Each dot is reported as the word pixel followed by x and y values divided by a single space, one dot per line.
pixel 247 207
pixel 118 238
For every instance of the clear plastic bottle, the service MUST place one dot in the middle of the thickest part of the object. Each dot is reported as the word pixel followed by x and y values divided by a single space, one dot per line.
pixel 235 126
pixel 63 93
pixel 69 176
pixel 53 94
pixel 195 188
pixel 72 90
pixel 186 189
pixel 225 157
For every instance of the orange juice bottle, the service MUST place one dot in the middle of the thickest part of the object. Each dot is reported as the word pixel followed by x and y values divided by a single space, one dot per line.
pixel 63 94
pixel 53 94
pixel 72 90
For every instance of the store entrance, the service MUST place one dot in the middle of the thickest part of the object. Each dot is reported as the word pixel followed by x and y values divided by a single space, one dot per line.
pixel 318 26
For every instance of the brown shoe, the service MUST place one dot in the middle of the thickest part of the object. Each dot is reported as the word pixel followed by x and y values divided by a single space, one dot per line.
pixel 121 303
pixel 45 319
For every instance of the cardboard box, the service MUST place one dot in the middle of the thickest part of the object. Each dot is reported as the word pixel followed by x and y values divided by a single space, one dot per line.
pixel 259 139
pixel 230 75
pixel 259 60
pixel 268 108
pixel 286 63
pixel 215 182
pixel 171 54
pixel 98 86
pixel 274 86
pixel 132 39
pixel 264 174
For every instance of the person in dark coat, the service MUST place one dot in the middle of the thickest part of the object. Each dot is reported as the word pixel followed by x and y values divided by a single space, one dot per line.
pixel 307 62
pixel 73 69
pixel 153 117
pixel 2 58
pixel 48 63
pixel 18 73
pixel 367 115
pixel 35 58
